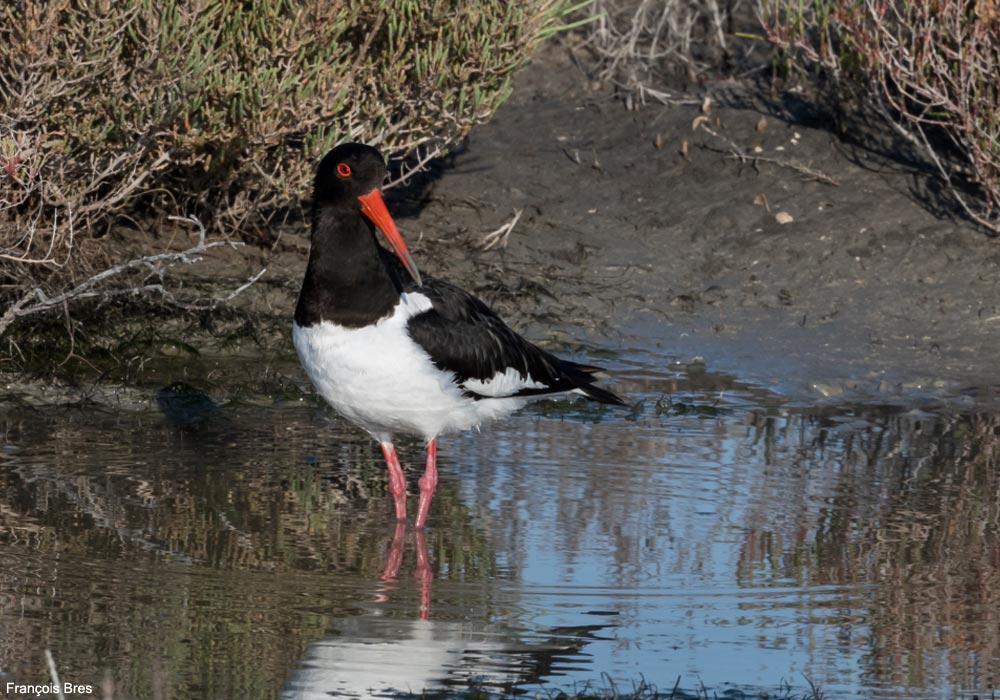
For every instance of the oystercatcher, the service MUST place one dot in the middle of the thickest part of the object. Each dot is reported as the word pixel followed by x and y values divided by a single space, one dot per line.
pixel 397 353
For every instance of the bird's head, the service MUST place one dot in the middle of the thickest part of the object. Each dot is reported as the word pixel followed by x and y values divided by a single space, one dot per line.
pixel 350 176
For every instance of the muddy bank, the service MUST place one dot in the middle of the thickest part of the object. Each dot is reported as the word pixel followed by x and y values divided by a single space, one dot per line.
pixel 870 289
pixel 640 235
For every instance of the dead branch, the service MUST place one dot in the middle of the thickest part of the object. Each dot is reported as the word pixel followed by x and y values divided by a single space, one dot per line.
pixel 406 172
pixel 629 43
pixel 37 301
pixel 737 153
pixel 211 303
pixel 499 237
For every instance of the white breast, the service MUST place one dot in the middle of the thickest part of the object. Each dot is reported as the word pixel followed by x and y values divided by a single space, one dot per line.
pixel 382 381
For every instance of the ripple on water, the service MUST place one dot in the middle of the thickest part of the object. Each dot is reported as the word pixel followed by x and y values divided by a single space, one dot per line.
pixel 715 536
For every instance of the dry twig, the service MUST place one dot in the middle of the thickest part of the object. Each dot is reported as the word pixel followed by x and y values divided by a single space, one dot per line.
pixel 634 40
pixel 54 674
pixel 499 237
pixel 408 171
pixel 737 153
pixel 37 301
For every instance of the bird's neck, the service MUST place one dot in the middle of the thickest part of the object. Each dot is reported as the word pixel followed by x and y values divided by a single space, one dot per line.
pixel 347 281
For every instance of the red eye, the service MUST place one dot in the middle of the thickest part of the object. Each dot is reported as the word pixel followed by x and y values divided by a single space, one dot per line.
pixel 344 170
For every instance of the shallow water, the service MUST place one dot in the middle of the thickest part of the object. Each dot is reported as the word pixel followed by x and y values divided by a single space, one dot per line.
pixel 713 532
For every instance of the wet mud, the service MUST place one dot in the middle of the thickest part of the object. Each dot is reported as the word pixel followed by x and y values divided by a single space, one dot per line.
pixel 635 225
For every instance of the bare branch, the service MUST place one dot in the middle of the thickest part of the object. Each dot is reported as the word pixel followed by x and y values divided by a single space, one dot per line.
pixel 744 157
pixel 37 301
pixel 406 172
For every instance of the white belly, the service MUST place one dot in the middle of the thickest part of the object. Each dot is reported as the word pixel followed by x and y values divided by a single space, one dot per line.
pixel 382 381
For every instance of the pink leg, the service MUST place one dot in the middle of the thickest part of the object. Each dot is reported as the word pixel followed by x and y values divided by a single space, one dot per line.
pixel 397 482
pixel 427 483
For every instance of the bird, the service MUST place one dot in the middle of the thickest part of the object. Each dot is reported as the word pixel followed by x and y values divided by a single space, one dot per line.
pixel 398 353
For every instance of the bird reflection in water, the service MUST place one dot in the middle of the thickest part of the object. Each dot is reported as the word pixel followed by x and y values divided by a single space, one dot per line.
pixel 394 559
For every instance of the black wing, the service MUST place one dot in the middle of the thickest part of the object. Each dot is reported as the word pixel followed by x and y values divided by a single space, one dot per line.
pixel 464 336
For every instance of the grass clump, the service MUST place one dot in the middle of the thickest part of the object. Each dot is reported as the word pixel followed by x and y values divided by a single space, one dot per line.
pixel 116 113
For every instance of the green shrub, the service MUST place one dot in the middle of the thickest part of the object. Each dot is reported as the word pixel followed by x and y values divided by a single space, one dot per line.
pixel 131 111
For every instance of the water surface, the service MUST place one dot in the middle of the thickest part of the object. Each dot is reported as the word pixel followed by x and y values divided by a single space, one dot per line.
pixel 714 532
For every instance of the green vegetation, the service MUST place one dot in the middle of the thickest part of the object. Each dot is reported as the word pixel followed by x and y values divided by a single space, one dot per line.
pixel 126 113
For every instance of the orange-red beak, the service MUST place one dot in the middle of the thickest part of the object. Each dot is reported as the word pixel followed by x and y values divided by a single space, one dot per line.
pixel 373 206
